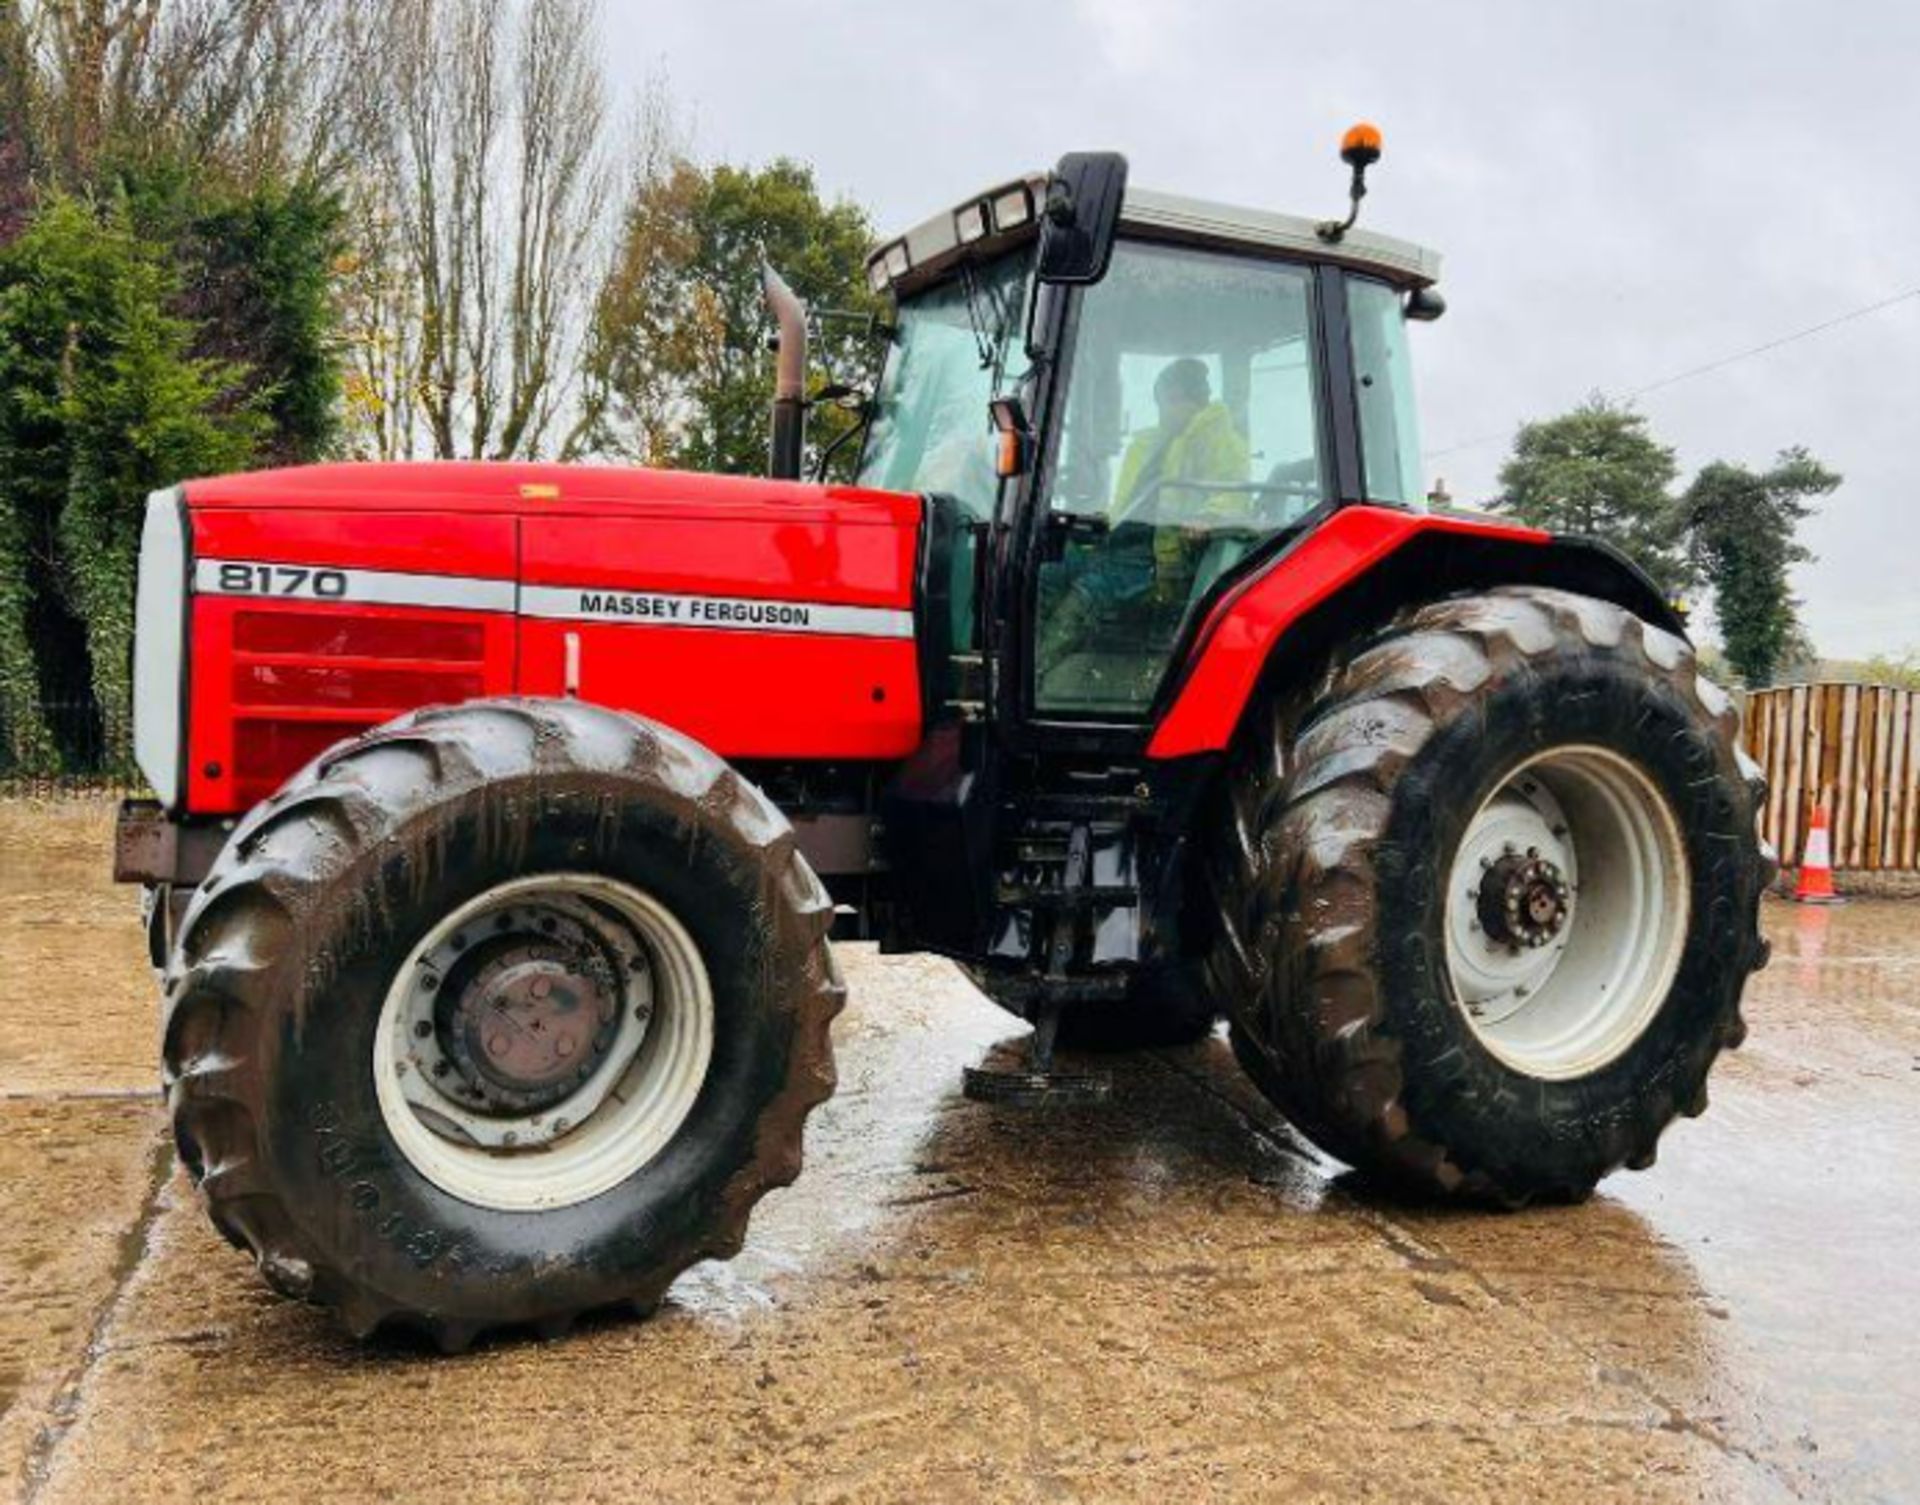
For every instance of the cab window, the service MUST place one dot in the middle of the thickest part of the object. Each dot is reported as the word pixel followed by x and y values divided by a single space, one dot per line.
pixel 950 353
pixel 1191 435
pixel 1383 381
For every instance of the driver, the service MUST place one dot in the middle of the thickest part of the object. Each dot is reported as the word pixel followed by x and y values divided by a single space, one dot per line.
pixel 1195 440
pixel 1163 487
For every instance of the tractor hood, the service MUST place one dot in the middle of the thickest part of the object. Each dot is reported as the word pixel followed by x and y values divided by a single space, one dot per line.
pixel 285 610
pixel 534 489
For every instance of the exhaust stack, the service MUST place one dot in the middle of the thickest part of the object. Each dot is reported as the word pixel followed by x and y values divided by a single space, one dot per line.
pixel 787 440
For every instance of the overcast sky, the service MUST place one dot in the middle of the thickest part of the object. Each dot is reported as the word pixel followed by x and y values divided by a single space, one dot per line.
pixel 1621 191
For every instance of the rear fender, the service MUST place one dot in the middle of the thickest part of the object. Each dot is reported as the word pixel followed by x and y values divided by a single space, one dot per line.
pixel 1352 574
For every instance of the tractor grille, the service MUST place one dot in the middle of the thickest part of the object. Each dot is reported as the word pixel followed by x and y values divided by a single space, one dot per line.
pixel 302 681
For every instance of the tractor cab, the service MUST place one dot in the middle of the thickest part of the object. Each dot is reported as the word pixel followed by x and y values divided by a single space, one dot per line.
pixel 1127 400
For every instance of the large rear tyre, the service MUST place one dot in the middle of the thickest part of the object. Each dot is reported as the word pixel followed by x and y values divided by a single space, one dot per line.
pixel 1489 899
pixel 498 1015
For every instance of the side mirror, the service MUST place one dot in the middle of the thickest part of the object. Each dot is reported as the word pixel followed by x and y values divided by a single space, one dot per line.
pixel 1081 216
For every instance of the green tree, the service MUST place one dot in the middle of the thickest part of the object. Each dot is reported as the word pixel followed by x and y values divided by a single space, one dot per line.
pixel 102 399
pixel 261 297
pixel 1741 528
pixel 202 314
pixel 679 368
pixel 1599 473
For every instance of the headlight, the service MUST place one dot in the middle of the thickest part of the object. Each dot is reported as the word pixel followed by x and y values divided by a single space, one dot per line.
pixel 160 646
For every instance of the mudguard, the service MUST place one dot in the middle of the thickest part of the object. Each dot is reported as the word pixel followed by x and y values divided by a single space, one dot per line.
pixel 1353 571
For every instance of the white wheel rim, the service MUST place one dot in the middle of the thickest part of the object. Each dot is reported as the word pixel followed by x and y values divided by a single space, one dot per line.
pixel 1564 996
pixel 617 1119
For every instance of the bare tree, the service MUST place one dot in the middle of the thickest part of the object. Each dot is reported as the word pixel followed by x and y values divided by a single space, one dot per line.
pixel 488 188
pixel 256 87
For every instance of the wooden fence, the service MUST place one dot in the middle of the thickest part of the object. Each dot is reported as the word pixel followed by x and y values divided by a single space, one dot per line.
pixel 1855 746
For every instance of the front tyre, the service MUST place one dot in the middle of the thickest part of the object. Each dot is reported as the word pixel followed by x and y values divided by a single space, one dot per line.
pixel 497 1015
pixel 1490 901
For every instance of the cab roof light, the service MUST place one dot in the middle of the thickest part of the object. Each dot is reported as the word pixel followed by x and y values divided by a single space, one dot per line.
pixel 896 259
pixel 970 223
pixel 877 278
pixel 1012 208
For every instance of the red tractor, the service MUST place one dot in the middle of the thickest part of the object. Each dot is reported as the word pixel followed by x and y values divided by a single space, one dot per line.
pixel 505 811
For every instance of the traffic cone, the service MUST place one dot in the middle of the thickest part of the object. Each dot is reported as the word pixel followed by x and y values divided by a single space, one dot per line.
pixel 1815 882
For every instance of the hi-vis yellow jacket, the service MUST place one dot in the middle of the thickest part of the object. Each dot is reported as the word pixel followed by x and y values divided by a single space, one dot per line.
pixel 1209 448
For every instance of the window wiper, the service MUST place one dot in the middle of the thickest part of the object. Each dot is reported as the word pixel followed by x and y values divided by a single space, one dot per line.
pixel 983 344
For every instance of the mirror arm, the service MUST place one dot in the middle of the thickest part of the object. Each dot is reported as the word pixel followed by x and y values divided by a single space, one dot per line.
pixel 1035 356
pixel 859 426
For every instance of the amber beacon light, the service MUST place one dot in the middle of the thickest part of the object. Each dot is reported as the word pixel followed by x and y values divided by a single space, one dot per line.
pixel 1360 148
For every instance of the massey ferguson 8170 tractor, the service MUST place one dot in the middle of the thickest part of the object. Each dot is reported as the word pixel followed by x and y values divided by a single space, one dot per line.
pixel 504 810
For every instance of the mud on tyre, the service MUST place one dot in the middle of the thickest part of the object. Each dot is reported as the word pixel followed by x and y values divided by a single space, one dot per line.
pixel 1462 823
pixel 519 852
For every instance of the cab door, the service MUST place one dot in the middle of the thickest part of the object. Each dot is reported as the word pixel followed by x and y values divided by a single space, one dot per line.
pixel 1192 433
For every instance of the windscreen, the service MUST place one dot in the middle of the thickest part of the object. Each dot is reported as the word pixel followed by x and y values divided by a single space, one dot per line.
pixel 948 359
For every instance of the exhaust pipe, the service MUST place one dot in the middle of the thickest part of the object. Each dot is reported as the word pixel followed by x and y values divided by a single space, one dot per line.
pixel 788 439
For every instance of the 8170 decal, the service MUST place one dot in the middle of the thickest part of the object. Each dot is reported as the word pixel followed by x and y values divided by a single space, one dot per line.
pixel 280 580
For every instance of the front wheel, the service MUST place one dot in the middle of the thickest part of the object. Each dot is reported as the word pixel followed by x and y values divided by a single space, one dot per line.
pixel 497 1015
pixel 1489 904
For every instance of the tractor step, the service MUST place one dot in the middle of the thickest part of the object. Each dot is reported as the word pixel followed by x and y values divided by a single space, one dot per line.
pixel 1036 1089
pixel 1039 1085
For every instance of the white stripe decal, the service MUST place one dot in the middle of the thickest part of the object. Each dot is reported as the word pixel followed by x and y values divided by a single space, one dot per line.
pixel 301 582
pixel 585 603
pixel 238 577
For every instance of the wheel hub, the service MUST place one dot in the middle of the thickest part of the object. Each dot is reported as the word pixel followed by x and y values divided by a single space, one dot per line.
pixel 535 1019
pixel 1523 900
pixel 543 1041
pixel 1566 911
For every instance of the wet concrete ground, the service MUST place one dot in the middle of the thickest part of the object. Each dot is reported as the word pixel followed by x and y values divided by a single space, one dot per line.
pixel 1168 1297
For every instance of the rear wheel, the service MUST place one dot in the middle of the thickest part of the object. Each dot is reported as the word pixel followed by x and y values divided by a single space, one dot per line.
pixel 1489 901
pixel 497 1015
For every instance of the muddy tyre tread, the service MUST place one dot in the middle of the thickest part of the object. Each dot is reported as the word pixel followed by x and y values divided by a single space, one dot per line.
pixel 1306 807
pixel 278 875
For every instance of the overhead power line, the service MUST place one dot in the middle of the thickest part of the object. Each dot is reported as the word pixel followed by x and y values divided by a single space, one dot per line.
pixel 1715 365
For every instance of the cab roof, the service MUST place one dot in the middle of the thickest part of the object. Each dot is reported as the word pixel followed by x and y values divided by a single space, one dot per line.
pixel 935 246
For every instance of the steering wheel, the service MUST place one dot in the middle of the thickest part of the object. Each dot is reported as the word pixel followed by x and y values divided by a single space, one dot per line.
pixel 1158 484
